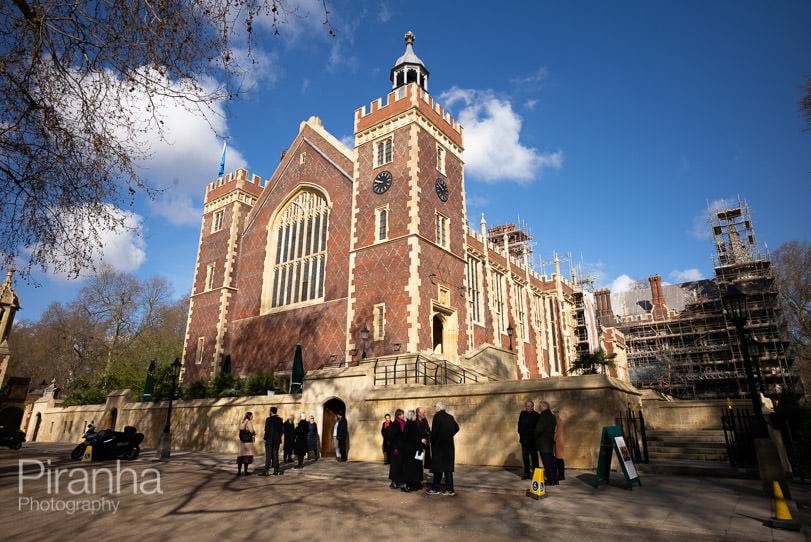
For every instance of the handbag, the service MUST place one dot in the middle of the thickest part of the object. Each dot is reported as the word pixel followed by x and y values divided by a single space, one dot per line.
pixel 419 456
pixel 245 435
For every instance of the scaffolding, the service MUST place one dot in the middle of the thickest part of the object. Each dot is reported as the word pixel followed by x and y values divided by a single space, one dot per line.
pixel 696 354
pixel 518 239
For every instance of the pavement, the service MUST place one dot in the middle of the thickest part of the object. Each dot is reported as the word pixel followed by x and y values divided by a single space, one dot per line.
pixel 200 498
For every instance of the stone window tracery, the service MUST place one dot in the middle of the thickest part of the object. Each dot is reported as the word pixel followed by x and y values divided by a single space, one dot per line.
pixel 300 233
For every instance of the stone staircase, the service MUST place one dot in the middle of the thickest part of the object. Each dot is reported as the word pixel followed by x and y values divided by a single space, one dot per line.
pixel 692 453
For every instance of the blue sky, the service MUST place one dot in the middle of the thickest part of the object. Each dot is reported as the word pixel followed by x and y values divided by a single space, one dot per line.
pixel 606 127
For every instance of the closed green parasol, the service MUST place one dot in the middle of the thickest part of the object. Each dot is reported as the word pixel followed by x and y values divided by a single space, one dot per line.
pixel 149 385
pixel 226 365
pixel 297 377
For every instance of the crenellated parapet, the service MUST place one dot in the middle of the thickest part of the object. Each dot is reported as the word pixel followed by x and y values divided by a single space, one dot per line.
pixel 403 105
pixel 236 186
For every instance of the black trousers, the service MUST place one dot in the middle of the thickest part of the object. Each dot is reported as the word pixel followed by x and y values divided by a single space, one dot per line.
pixel 271 457
pixel 343 449
pixel 530 456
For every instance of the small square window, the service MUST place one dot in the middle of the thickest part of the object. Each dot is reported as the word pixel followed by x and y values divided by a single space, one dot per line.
pixel 444 296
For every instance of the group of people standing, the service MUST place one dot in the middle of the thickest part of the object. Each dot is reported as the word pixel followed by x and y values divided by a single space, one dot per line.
pixel 300 438
pixel 411 445
pixel 542 432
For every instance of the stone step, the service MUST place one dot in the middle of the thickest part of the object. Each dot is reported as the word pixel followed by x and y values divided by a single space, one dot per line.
pixel 687 456
pixel 686 432
pixel 717 469
pixel 680 439
pixel 705 447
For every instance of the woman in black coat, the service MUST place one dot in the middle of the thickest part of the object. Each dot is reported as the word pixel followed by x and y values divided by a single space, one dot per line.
pixel 312 438
pixel 396 432
pixel 412 467
pixel 302 430
pixel 384 432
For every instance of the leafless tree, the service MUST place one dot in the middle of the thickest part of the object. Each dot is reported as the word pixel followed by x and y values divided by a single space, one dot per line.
pixel 105 337
pixel 791 264
pixel 81 82
pixel 805 102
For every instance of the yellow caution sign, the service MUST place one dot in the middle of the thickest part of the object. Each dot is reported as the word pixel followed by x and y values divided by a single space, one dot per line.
pixel 88 454
pixel 537 487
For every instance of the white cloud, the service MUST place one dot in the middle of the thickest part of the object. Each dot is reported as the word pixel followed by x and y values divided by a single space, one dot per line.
pixel 622 283
pixel 493 151
pixel 532 80
pixel 687 275
pixel 349 141
pixel 476 201
pixel 123 249
pixel 185 157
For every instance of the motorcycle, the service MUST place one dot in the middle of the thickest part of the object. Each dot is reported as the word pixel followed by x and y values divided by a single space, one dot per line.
pixel 109 444
pixel 12 438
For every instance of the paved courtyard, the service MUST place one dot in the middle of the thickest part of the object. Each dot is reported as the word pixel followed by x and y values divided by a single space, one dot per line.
pixel 200 498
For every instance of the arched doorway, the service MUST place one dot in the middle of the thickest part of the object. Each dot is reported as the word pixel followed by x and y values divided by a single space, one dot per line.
pixel 331 407
pixel 438 333
pixel 113 418
pixel 36 427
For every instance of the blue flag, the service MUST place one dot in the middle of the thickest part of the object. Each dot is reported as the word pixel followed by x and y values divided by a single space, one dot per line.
pixel 222 160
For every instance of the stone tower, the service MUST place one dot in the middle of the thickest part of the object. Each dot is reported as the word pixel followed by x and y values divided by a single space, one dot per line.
pixel 9 305
pixel 407 251
pixel 227 202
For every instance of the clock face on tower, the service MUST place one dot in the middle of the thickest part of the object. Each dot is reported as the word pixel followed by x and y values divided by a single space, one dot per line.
pixel 382 182
pixel 441 189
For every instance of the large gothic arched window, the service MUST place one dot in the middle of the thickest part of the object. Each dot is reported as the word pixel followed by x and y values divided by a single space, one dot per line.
pixel 300 234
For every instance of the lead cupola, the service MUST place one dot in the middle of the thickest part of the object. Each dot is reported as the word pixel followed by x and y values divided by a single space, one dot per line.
pixel 409 68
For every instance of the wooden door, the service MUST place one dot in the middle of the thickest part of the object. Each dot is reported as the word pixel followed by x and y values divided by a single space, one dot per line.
pixel 327 446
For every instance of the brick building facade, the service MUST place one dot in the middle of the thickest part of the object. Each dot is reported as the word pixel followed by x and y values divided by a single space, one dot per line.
pixel 341 244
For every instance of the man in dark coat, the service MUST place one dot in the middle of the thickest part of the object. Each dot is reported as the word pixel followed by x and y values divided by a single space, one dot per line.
pixel 545 441
pixel 444 454
pixel 526 436
pixel 273 438
pixel 341 435
pixel 289 438
pixel 302 429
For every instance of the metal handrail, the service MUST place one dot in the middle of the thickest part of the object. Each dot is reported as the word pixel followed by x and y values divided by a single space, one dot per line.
pixel 422 371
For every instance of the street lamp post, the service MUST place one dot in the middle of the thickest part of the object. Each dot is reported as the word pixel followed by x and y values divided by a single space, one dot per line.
pixel 364 335
pixel 510 335
pixel 166 437
pixel 735 307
